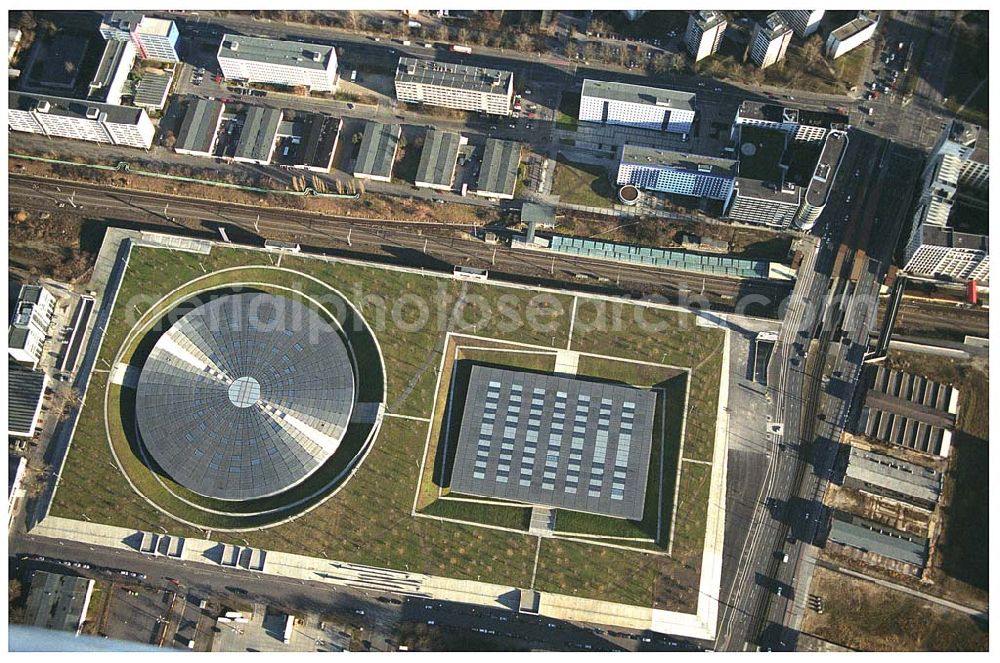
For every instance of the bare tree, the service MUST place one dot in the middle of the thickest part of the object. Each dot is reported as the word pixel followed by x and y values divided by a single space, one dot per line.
pixel 524 42
pixel 572 50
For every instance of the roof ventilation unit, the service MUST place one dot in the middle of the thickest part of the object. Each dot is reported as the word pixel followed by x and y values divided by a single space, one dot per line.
pixel 93 112
pixel 43 106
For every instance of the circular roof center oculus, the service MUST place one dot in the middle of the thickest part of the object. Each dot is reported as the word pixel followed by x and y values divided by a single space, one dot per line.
pixel 245 396
pixel 748 149
pixel 244 392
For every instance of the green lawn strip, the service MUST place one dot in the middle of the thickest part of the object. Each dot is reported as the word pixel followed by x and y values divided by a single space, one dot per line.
pixel 611 574
pixel 511 517
pixel 703 408
pixel 692 510
pixel 569 111
pixel 582 184
pixel 626 372
pixel 515 314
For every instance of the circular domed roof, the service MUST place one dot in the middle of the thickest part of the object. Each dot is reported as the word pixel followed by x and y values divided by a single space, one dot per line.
pixel 245 396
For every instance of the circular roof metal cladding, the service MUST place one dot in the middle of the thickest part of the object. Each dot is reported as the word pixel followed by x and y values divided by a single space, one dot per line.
pixel 245 396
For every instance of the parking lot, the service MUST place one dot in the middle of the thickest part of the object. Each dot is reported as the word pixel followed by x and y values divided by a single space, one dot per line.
pixel 138 613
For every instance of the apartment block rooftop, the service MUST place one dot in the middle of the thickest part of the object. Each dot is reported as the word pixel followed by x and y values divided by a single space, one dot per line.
pixel 75 108
pixel 853 27
pixel 822 180
pixel 769 112
pixel 706 19
pixel 447 74
pixel 275 51
pixel 695 163
pixel 107 68
pixel 639 94
pixel 774 26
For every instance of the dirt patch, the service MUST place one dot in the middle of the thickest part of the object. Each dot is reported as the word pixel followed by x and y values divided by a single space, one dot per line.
pixel 47 246
pixel 862 615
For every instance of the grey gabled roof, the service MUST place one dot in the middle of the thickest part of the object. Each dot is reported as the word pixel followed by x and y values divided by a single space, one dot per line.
pixel 275 51
pixel 849 530
pixel 317 140
pixel 25 390
pixel 152 90
pixel 448 74
pixel 555 440
pixel 498 172
pixel 258 133
pixel 198 127
pixel 639 94
pixel 894 474
pixel 378 149
pixel 438 157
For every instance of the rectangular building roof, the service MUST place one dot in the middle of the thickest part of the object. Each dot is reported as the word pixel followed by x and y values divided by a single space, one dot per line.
pixel 57 602
pixel 774 26
pixel 317 138
pixel 378 149
pixel 706 19
pixel 25 391
pixel 880 539
pixel 198 127
pixel 448 74
pixel 557 441
pixel 438 157
pixel 112 59
pixel 152 90
pixel 894 475
pixel 260 128
pixel 498 172
pixel 853 27
pixel 639 94
pixel 694 163
pixel 822 180
pixel 73 107
pixel 275 51
pixel 770 112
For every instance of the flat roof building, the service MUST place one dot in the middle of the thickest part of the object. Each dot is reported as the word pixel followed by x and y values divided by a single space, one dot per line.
pixel 799 123
pixel 438 160
pixel 555 441
pixel 773 204
pixel 677 172
pixel 957 171
pixel 58 602
pixel 26 392
pixel 498 171
pixel 770 41
pixel 258 135
pixel 804 22
pixel 818 190
pixel 112 72
pixel 852 34
pixel 289 63
pixel 705 29
pixel 29 328
pixel 200 127
pixel 310 142
pixel 377 154
pixel 151 91
pixel 464 87
pixel 16 466
pixel 640 106
pixel 80 120
pixel 154 38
